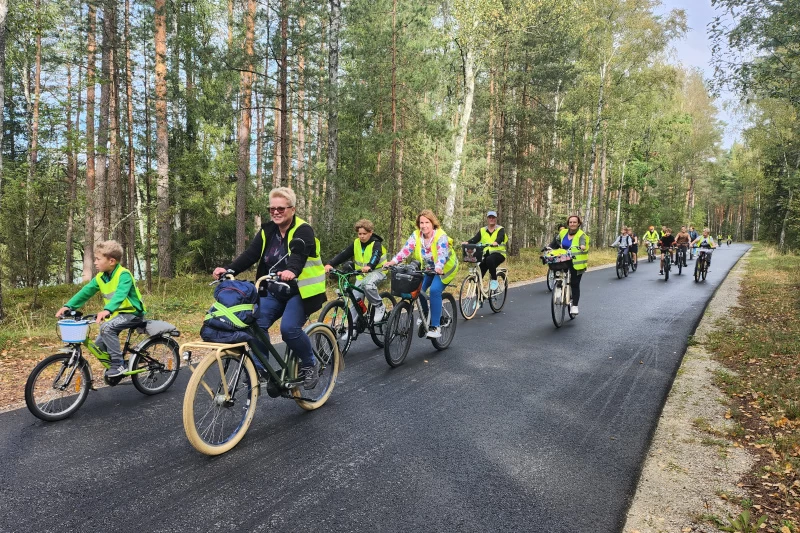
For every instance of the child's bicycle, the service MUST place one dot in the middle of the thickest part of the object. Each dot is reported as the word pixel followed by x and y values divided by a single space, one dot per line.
pixel 473 289
pixel 58 385
pixel 407 284
pixel 335 313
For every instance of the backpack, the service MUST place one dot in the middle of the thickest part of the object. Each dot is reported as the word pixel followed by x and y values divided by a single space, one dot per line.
pixel 234 309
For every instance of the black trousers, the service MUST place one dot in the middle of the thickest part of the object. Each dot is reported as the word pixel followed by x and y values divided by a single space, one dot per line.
pixel 575 284
pixel 490 263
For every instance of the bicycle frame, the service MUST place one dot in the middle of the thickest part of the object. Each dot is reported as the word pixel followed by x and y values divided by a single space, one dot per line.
pixel 347 293
pixel 104 358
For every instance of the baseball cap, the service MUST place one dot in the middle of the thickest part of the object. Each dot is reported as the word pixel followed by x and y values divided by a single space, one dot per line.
pixel 492 214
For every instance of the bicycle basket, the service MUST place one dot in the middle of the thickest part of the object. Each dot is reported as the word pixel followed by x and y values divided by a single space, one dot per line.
pixel 73 330
pixel 406 284
pixel 472 253
pixel 557 259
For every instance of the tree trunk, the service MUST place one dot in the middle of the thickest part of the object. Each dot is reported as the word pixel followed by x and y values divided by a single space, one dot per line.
pixel 593 153
pixel 284 93
pixel 33 157
pixel 163 223
pixel 548 215
pixel 91 50
pixel 102 219
pixel 72 178
pixel 131 156
pixel 115 189
pixel 468 59
pixel 148 245
pixel 3 15
pixel 395 220
pixel 259 155
pixel 245 117
pixel 301 124
pixel 333 112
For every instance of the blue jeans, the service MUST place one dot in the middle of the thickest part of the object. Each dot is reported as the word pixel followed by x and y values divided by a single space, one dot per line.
pixel 293 317
pixel 437 288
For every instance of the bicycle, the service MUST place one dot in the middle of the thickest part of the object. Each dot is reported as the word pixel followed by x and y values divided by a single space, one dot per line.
pixel 551 276
pixel 473 289
pixel 220 399
pixel 667 254
pixel 60 383
pixel 335 313
pixel 729 242
pixel 680 258
pixel 407 284
pixel 561 298
pixel 623 259
pixel 701 266
pixel 651 251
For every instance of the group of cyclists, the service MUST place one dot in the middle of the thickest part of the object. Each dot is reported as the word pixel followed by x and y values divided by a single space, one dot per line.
pixel 667 243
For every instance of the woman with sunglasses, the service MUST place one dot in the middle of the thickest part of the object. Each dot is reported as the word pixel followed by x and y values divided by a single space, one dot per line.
pixel 303 272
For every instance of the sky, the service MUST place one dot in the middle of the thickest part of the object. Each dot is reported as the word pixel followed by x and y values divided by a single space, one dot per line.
pixel 695 50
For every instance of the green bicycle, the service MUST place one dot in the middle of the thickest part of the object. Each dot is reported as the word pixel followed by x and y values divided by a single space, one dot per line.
pixel 59 384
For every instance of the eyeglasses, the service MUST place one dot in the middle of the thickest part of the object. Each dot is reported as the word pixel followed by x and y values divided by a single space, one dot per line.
pixel 280 209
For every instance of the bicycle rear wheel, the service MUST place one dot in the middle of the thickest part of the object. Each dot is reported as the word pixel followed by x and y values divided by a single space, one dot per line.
pixel 497 299
pixel 557 306
pixel 336 315
pixel 551 279
pixel 160 358
pixel 468 297
pixel 213 421
pixel 55 389
pixel 323 343
pixel 377 330
pixel 698 267
pixel 447 326
pixel 400 332
pixel 620 268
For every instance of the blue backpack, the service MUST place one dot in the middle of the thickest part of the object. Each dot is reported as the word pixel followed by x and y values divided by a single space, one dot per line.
pixel 233 311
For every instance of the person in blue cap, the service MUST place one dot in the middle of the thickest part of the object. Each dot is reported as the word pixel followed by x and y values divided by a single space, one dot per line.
pixel 493 235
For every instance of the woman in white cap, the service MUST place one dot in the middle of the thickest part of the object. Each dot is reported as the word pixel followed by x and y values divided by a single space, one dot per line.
pixel 494 254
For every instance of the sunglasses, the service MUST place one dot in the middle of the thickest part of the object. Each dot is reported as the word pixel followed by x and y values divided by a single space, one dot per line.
pixel 279 209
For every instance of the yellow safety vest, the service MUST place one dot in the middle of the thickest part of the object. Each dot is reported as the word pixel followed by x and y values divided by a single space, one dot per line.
pixel 450 265
pixel 311 280
pixel 109 288
pixel 580 258
pixel 361 257
pixel 489 238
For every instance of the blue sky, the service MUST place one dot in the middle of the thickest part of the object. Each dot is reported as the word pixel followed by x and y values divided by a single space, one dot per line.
pixel 695 50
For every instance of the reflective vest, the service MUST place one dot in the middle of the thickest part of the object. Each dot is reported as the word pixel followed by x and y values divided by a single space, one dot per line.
pixel 361 257
pixel 708 241
pixel 450 265
pixel 651 236
pixel 580 258
pixel 311 280
pixel 109 288
pixel 489 238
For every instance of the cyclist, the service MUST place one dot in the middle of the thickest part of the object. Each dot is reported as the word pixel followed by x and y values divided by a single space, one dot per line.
pixel 122 305
pixel 705 241
pixel 651 237
pixel 693 233
pixel 665 243
pixel 431 246
pixel 369 255
pixel 730 240
pixel 493 255
pixel 302 272
pixel 568 238
pixel 634 245
pixel 624 242
pixel 682 240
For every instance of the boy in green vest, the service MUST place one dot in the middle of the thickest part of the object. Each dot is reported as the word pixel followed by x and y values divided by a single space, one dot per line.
pixel 122 307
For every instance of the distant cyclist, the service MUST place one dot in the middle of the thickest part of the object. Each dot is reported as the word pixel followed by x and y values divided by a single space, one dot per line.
pixel 682 240
pixel 570 238
pixel 624 242
pixel 651 237
pixel 634 245
pixel 493 235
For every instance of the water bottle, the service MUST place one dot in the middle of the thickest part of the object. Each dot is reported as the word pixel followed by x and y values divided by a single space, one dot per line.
pixel 362 306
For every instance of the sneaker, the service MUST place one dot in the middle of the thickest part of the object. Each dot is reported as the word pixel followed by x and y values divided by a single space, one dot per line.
pixel 419 321
pixel 573 310
pixel 434 333
pixel 380 313
pixel 115 371
pixel 493 285
pixel 344 337
pixel 310 375
pixel 660 272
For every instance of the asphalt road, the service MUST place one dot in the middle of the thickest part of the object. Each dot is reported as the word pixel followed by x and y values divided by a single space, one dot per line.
pixel 516 427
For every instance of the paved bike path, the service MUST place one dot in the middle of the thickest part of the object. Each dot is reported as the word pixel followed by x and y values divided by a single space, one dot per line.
pixel 517 426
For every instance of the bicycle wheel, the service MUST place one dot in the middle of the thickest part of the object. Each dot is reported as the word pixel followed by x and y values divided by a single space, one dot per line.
pixel 680 265
pixel 400 333
pixel 557 306
pixel 323 343
pixel 336 315
pixel 448 324
pixel 698 267
pixel 705 270
pixel 213 421
pixel 160 358
pixel 377 329
pixel 55 389
pixel 497 299
pixel 667 267
pixel 468 297
pixel 551 279
pixel 619 268
pixel 625 266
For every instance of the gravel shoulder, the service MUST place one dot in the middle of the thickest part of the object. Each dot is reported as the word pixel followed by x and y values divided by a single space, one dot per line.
pixel 690 465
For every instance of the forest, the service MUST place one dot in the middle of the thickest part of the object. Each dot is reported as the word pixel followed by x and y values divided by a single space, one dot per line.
pixel 163 124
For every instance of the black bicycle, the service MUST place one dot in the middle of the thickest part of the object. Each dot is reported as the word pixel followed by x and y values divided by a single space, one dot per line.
pixel 667 254
pixel 701 266
pixel 623 262
pixel 680 258
pixel 651 251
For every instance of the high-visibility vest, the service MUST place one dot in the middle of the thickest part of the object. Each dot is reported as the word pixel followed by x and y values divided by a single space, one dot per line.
pixel 109 288
pixel 651 236
pixel 489 238
pixel 361 257
pixel 450 265
pixel 311 280
pixel 580 258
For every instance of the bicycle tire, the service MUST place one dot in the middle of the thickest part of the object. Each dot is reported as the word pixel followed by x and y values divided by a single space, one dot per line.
pixel 551 279
pixel 468 297
pixel 557 309
pixel 326 351
pixel 377 330
pixel 634 265
pixel 497 299
pixel 704 271
pixel 448 324
pixel 680 265
pixel 401 332
pixel 697 267
pixel 43 396
pixel 337 316
pixel 625 267
pixel 161 359
pixel 204 399
pixel 619 268
pixel 667 268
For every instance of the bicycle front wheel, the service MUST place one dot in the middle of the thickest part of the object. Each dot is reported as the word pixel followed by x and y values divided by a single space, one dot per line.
pixel 447 326
pixel 468 297
pixel 551 279
pixel 400 333
pixel 620 269
pixel 160 361
pixel 667 268
pixel 557 306
pixel 680 265
pixel 336 315
pixel 326 351
pixel 214 421
pixel 698 267
pixel 377 330
pixel 56 389
pixel 497 299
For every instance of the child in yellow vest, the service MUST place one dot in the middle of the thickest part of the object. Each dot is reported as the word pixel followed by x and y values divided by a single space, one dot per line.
pixel 122 307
